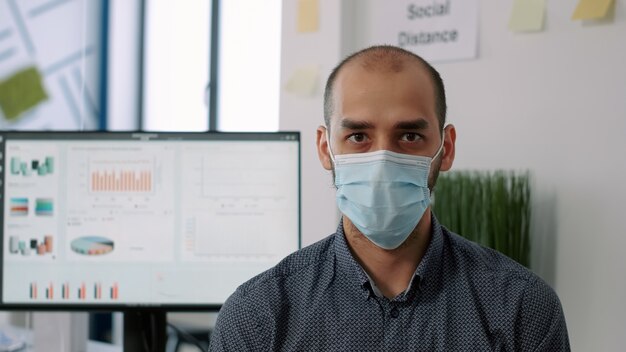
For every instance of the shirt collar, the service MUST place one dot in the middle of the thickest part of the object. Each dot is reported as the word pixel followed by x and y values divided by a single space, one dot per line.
pixel 425 274
pixel 429 269
pixel 346 262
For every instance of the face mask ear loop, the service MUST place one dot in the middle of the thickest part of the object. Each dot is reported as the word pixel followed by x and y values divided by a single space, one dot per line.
pixel 330 151
pixel 443 138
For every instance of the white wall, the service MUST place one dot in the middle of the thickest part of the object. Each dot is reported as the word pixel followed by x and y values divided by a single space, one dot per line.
pixel 553 102
pixel 305 114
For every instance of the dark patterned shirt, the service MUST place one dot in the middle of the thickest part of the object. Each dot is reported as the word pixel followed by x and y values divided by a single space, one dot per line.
pixel 463 297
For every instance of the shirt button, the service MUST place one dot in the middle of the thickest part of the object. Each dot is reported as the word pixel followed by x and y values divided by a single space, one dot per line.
pixel 394 312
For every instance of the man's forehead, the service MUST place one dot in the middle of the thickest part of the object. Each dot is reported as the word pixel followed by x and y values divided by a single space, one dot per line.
pixel 353 75
pixel 358 89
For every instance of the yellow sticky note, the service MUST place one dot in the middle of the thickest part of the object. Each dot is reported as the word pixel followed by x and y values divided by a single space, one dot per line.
pixel 21 92
pixel 303 81
pixel 527 15
pixel 592 9
pixel 308 15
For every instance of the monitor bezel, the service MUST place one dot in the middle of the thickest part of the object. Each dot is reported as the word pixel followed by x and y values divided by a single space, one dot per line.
pixel 291 136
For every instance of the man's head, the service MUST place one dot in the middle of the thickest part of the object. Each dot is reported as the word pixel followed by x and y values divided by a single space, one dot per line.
pixel 385 99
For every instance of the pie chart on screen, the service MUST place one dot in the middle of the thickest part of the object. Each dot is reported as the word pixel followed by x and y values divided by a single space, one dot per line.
pixel 92 245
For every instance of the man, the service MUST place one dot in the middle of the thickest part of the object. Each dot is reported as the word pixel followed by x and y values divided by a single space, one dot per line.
pixel 391 278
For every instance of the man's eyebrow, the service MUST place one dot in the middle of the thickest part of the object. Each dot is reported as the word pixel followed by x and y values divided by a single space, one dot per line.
pixel 417 124
pixel 355 125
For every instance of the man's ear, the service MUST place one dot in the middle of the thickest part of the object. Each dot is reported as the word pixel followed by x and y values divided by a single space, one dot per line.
pixel 448 148
pixel 322 148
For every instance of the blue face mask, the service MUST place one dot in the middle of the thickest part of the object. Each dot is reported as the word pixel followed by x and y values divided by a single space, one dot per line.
pixel 383 193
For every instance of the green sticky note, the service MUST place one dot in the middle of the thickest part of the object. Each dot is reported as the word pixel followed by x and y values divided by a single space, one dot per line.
pixel 527 15
pixel 21 92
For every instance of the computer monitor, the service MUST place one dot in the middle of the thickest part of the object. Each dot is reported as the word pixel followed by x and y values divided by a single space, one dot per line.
pixel 143 221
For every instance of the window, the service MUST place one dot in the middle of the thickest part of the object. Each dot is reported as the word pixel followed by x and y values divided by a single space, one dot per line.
pixel 176 57
pixel 249 65
pixel 176 65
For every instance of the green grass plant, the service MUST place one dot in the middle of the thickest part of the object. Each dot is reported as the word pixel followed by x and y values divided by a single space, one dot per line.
pixel 490 208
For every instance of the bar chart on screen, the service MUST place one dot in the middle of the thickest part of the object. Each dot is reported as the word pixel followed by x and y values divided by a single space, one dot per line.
pixel 121 176
pixel 121 181
pixel 118 174
pixel 75 291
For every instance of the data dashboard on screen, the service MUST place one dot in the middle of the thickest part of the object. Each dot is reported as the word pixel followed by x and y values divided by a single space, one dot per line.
pixel 146 219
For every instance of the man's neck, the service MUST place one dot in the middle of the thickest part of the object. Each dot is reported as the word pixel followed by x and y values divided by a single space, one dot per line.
pixel 391 270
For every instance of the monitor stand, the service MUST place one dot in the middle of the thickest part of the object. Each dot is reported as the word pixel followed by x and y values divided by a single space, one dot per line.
pixel 145 330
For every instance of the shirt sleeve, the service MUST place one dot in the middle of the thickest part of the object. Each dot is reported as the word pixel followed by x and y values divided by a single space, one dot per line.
pixel 237 328
pixel 542 323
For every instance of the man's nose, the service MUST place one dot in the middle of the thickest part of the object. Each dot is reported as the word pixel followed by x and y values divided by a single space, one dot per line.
pixel 383 143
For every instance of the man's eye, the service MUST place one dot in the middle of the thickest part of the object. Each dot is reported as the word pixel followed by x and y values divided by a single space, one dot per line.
pixel 410 137
pixel 357 138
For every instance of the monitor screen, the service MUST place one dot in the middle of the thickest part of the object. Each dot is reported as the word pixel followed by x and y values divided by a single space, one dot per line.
pixel 143 219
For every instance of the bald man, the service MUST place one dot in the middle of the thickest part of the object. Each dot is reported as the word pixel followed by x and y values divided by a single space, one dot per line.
pixel 391 278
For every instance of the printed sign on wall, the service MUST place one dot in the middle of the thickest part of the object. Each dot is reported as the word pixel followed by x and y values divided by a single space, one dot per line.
pixel 437 30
